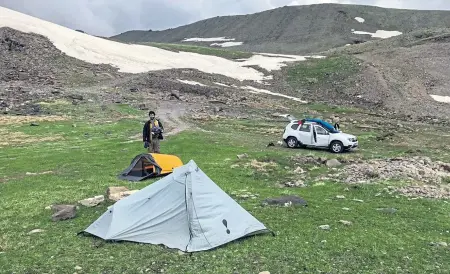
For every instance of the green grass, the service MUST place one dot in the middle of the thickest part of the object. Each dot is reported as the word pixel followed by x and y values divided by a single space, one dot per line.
pixel 89 158
pixel 228 54
pixel 319 72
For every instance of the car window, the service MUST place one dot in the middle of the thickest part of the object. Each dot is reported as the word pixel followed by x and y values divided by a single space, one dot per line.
pixel 305 128
pixel 294 126
pixel 321 130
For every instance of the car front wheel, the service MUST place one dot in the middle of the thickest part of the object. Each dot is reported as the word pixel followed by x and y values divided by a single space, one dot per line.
pixel 292 142
pixel 337 147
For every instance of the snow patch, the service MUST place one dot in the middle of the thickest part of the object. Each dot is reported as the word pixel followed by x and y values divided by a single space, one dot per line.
pixel 272 62
pixel 227 44
pixel 220 84
pixel 212 39
pixel 132 58
pixel 379 33
pixel 256 90
pixel 359 19
pixel 191 83
pixel 442 99
pixel 127 57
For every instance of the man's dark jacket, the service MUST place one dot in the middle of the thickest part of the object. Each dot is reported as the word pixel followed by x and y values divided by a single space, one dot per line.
pixel 146 131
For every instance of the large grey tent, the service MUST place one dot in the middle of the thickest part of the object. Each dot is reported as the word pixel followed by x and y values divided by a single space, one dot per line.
pixel 184 210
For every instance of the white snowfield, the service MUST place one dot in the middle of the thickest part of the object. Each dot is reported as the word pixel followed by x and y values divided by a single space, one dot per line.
pixel 210 39
pixel 257 90
pixel 273 61
pixel 379 33
pixel 135 58
pixel 442 99
pixel 227 44
pixel 359 19
pixel 194 83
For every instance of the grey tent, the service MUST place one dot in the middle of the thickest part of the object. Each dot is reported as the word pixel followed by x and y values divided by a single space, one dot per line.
pixel 150 165
pixel 185 210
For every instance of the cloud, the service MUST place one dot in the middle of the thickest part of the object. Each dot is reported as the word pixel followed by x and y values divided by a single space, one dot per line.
pixel 109 17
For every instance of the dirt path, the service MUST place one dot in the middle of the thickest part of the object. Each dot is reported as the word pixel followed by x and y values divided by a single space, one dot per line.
pixel 171 114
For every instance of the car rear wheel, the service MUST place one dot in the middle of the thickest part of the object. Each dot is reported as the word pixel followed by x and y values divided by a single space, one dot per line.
pixel 292 142
pixel 337 147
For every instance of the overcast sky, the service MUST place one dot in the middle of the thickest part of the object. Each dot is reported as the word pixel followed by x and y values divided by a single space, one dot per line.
pixel 110 17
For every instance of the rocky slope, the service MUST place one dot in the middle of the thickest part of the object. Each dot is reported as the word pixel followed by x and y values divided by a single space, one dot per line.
pixel 298 29
pixel 35 71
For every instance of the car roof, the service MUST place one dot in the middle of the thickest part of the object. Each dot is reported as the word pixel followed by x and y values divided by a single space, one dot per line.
pixel 306 122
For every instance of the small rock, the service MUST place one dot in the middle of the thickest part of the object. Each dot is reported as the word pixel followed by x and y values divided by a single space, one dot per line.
pixel 346 208
pixel 175 94
pixel 76 97
pixel 118 193
pixel 345 222
pixel 35 231
pixel 333 163
pixel 340 197
pixel 299 170
pixel 242 156
pixel 91 202
pixel 441 244
pixel 264 272
pixel 387 210
pixel 78 267
pixel 360 201
pixel 324 227
pixel 295 184
pixel 286 201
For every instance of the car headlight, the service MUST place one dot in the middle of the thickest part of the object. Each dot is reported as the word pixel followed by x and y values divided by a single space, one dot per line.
pixel 352 139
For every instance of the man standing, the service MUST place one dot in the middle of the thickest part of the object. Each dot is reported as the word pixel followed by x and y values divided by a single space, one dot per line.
pixel 336 121
pixel 152 133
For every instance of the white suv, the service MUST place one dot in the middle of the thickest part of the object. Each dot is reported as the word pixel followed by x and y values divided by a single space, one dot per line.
pixel 312 134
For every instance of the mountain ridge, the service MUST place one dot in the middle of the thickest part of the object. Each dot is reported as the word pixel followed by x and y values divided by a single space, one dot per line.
pixel 297 29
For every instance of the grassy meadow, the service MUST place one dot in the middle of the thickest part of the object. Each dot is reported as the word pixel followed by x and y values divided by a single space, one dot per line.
pixel 80 158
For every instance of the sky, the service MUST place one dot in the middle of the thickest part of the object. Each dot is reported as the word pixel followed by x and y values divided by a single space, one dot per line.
pixel 111 17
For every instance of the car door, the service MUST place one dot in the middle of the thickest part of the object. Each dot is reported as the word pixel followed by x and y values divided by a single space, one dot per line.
pixel 323 137
pixel 304 134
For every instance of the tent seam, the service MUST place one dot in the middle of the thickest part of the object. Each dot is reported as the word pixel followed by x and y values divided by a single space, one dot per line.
pixel 189 219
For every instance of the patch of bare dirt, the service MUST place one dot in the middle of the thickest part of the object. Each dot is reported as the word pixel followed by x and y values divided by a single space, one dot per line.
pixel 9 138
pixel 14 120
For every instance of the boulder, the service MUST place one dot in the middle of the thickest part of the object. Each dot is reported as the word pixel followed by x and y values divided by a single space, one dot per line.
pixel 63 212
pixel 333 163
